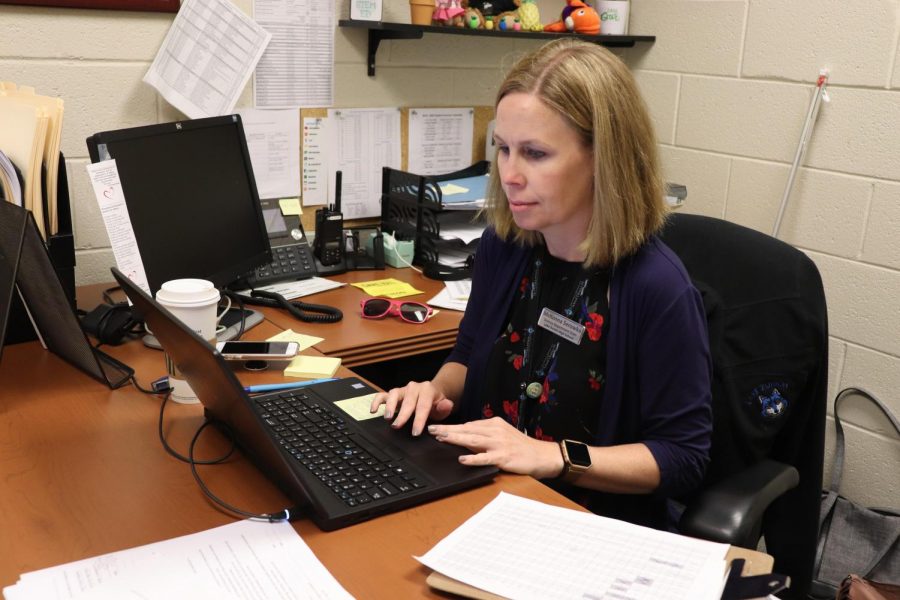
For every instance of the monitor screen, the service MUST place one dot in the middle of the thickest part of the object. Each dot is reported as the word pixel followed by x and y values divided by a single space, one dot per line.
pixel 191 197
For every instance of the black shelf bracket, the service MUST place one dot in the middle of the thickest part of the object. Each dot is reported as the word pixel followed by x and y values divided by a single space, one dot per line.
pixel 380 30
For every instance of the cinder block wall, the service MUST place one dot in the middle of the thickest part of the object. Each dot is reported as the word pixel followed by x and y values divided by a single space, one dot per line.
pixel 728 82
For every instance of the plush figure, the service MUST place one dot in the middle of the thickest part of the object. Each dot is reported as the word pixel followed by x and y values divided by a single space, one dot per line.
pixel 446 12
pixel 530 16
pixel 494 8
pixel 506 21
pixel 577 17
pixel 473 18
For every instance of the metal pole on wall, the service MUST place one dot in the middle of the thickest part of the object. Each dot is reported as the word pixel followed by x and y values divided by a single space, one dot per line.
pixel 811 115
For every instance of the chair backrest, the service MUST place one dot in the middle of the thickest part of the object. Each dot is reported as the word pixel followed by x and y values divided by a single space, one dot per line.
pixel 768 332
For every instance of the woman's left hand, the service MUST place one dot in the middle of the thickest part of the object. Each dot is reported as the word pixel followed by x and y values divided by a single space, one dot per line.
pixel 496 442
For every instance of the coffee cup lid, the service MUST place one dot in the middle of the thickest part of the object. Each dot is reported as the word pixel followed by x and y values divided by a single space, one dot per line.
pixel 188 292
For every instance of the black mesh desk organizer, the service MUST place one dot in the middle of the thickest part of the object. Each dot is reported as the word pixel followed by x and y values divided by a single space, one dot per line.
pixel 412 209
pixel 61 249
pixel 43 276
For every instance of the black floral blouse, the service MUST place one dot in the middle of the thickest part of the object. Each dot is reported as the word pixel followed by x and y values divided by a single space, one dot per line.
pixel 573 382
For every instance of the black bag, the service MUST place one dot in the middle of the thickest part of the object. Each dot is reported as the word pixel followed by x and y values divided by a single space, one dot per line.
pixel 852 538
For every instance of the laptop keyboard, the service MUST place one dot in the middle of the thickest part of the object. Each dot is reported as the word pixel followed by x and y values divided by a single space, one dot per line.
pixel 317 436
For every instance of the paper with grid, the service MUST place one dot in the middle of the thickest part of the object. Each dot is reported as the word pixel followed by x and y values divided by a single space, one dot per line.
pixel 520 548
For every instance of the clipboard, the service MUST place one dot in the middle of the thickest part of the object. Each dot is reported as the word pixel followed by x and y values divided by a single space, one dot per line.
pixel 749 576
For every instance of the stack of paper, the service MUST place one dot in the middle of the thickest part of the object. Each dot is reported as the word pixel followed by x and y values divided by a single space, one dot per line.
pixel 520 548
pixel 10 187
pixel 467 193
pixel 248 560
pixel 30 128
pixel 454 296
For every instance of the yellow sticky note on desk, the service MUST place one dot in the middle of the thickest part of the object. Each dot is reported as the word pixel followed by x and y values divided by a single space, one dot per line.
pixel 290 206
pixel 312 367
pixel 303 341
pixel 388 288
pixel 358 407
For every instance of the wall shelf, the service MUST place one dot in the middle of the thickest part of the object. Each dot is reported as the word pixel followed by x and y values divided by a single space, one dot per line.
pixel 380 30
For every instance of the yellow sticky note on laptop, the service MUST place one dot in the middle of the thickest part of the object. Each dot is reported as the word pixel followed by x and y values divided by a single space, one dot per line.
pixel 358 407
pixel 312 367
pixel 387 288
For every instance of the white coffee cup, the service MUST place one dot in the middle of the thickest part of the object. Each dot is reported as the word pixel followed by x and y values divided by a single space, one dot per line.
pixel 193 302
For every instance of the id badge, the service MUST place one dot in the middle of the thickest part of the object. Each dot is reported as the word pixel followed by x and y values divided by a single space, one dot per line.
pixel 566 328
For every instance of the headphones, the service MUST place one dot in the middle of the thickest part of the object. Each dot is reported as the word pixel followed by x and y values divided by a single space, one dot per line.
pixel 110 323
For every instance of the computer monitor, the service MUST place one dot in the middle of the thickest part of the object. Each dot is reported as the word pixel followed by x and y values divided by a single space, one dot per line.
pixel 191 197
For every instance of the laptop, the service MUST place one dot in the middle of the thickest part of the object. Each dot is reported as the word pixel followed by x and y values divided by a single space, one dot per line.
pixel 363 469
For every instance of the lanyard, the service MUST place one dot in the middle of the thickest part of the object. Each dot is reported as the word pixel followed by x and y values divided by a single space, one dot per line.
pixel 531 386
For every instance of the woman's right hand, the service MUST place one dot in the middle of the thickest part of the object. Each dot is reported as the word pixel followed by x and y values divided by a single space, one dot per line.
pixel 420 400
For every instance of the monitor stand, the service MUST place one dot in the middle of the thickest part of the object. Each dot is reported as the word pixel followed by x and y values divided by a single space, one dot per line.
pixel 231 320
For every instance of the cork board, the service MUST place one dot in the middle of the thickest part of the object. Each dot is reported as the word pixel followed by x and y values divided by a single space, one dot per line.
pixel 483 115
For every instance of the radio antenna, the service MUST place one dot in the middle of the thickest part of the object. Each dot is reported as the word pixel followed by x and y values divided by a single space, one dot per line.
pixel 337 191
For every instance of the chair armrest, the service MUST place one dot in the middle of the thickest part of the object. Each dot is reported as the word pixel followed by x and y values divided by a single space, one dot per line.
pixel 730 511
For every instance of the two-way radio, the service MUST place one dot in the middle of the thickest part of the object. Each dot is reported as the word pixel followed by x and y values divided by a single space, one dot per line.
pixel 328 245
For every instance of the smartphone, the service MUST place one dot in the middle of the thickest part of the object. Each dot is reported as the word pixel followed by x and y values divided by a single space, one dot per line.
pixel 258 350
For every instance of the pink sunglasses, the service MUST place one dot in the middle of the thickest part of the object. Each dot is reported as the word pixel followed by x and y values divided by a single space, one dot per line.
pixel 411 312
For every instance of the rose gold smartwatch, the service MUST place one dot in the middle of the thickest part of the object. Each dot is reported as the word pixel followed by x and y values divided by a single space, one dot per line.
pixel 576 460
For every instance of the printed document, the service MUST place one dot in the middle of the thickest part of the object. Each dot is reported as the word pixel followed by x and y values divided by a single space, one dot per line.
pixel 297 68
pixel 249 560
pixel 440 140
pixel 273 140
pixel 316 158
pixel 363 141
pixel 111 199
pixel 520 548
pixel 207 58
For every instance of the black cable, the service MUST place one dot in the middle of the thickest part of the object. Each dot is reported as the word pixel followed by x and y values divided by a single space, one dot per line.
pixel 284 515
pixel 299 310
pixel 235 297
pixel 175 453
pixel 145 390
pixel 106 294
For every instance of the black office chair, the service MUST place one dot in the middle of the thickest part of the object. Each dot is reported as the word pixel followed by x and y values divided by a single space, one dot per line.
pixel 769 343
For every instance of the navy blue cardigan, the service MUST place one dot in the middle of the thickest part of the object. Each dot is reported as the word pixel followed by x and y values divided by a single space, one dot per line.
pixel 658 365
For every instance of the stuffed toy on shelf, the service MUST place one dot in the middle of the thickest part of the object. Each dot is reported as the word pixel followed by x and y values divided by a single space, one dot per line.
pixel 577 17
pixel 473 18
pixel 529 16
pixel 448 12
pixel 494 8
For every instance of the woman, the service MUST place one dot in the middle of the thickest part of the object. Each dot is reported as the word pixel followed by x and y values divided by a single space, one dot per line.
pixel 582 359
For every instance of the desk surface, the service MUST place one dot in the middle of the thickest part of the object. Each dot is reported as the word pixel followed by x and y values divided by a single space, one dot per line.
pixel 361 341
pixel 82 473
pixel 355 340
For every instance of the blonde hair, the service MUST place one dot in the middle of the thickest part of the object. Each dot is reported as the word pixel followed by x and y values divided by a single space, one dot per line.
pixel 596 94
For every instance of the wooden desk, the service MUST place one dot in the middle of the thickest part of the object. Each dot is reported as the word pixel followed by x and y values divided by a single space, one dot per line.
pixel 359 341
pixel 355 340
pixel 82 473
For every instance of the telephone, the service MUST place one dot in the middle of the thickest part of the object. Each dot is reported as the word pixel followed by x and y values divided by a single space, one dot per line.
pixel 328 245
pixel 292 257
